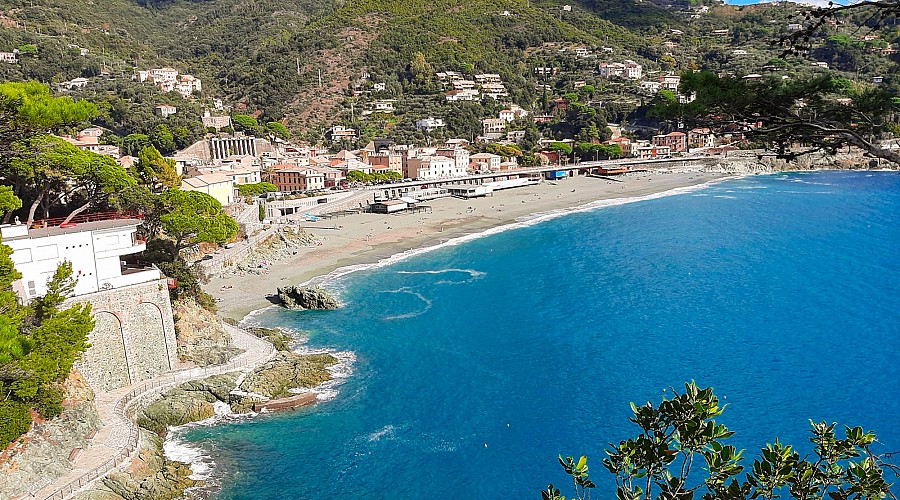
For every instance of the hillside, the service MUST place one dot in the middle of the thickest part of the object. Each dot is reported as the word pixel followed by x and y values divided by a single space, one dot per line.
pixel 313 63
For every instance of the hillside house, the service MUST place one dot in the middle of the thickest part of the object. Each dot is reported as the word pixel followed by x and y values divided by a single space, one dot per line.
pixel 339 133
pixel 187 85
pixel 429 124
pixel 9 57
pixel 670 82
pixel 161 75
pixel 461 95
pixel 216 122
pixel 487 78
pixel 166 110
pixel 94 249
pixel 494 90
pixel 628 69
pixel 383 106
pixel 493 127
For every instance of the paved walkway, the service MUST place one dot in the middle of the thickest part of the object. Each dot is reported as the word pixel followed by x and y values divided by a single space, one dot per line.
pixel 115 442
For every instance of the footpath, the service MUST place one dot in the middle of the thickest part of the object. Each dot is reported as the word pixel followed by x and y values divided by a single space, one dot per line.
pixel 116 441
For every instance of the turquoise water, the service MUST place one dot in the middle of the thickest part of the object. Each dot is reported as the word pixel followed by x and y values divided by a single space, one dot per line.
pixel 477 364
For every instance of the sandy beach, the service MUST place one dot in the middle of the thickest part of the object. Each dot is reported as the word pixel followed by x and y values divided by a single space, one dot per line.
pixel 368 238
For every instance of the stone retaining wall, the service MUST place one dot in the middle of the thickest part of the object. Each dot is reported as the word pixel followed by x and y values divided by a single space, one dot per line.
pixel 133 338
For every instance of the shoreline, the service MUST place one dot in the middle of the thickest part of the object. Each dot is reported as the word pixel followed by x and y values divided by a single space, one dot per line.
pixel 372 240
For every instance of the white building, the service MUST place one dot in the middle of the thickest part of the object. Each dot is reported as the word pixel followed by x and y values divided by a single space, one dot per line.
pixel 187 85
pixel 627 69
pixel 429 124
pixel 160 75
pixel 94 249
pixel 385 106
pixel 432 167
pixel 166 110
pixel 8 57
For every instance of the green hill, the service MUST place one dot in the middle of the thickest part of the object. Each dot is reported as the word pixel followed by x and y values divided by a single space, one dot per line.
pixel 312 63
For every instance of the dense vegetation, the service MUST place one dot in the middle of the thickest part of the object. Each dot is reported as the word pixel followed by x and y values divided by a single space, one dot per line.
pixel 680 452
pixel 297 66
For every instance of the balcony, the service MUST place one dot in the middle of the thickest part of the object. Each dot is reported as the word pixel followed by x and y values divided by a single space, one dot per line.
pixel 131 275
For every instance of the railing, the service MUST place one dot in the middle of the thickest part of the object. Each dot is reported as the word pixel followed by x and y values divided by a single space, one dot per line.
pixel 128 399
pixel 82 218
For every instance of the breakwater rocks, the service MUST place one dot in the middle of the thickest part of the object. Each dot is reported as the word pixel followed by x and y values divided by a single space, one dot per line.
pixel 149 476
pixel 295 297
pixel 200 336
pixel 46 451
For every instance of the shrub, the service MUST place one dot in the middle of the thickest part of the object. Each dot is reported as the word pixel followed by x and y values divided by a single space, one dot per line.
pixel 14 421
pixel 48 401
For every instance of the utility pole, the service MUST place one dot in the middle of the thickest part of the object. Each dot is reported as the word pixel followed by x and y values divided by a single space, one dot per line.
pixel 320 77
pixel 298 66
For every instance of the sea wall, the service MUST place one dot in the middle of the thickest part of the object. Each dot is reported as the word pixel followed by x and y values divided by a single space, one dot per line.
pixel 133 337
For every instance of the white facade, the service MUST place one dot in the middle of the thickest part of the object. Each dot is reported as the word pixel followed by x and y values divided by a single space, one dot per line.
pixel 433 167
pixel 159 75
pixel 628 69
pixel 429 124
pixel 94 249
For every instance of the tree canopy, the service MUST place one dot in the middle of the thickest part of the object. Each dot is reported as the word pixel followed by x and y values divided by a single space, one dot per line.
pixel 680 452
pixel 189 217
pixel 27 108
pixel 822 113
pixel 155 171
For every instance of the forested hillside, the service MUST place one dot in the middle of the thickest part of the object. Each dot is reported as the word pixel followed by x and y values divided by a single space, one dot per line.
pixel 314 63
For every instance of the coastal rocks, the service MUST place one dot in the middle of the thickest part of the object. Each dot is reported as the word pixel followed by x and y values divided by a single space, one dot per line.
pixel 295 297
pixel 200 336
pixel 288 371
pixel 189 402
pixel 281 245
pixel 150 476
pixel 45 452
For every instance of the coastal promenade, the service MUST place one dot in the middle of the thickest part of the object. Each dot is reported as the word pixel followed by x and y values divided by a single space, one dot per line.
pixel 116 441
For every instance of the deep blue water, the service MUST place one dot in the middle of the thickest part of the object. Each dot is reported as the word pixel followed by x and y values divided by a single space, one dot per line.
pixel 780 291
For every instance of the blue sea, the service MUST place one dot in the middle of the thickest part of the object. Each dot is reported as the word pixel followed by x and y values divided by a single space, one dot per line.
pixel 476 364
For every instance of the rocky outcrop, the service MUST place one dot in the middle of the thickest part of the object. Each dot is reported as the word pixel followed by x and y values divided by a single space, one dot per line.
pixel 284 243
pixel 288 371
pixel 150 476
pixel 189 402
pixel 199 334
pixel 45 452
pixel 295 297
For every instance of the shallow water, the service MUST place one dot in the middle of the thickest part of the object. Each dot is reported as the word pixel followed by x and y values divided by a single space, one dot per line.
pixel 476 364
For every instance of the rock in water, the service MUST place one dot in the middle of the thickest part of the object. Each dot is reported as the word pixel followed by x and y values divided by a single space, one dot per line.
pixel 295 297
